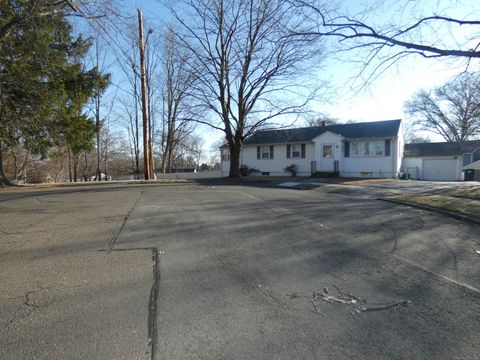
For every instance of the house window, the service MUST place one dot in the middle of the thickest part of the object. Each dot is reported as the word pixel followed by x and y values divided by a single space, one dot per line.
pixel 366 148
pixel 369 148
pixel 264 152
pixel 226 157
pixel 354 149
pixel 296 151
pixel 379 148
pixel 327 151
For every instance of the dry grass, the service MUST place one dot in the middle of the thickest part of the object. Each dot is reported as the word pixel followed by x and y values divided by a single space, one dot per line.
pixel 356 181
pixel 468 192
pixel 34 187
pixel 470 208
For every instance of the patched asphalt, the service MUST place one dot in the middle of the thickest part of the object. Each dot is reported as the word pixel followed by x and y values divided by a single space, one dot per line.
pixel 229 272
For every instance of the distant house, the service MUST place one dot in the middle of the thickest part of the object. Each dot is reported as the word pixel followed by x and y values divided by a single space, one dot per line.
pixel 370 149
pixel 440 161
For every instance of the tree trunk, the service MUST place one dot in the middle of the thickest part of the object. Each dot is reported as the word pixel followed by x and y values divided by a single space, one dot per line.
pixel 106 158
pixel 164 161
pixel 75 168
pixel 60 171
pixel 3 178
pixel 70 166
pixel 18 172
pixel 85 168
pixel 234 160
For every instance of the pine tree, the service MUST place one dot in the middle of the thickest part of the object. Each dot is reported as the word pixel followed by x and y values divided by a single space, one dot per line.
pixel 43 87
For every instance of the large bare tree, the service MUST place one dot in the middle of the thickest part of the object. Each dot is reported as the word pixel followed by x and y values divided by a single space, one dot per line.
pixel 410 30
pixel 451 110
pixel 177 78
pixel 245 63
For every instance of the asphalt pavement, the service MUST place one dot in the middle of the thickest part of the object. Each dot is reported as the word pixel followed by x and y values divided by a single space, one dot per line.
pixel 219 271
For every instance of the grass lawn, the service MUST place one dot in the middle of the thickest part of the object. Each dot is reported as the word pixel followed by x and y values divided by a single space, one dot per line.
pixel 469 192
pixel 469 207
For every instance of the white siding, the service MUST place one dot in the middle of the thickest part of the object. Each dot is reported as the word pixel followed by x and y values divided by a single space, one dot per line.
pixel 413 167
pixel 224 164
pixel 446 168
pixel 325 139
pixel 369 166
pixel 374 166
pixel 277 165
pixel 400 147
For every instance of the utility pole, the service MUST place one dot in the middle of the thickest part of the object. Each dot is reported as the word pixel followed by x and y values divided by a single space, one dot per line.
pixel 143 82
pixel 136 139
pixel 150 109
pixel 98 172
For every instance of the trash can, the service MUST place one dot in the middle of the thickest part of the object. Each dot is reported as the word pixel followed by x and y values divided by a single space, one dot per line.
pixel 469 174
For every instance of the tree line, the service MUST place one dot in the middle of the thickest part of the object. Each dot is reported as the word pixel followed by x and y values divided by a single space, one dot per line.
pixel 235 66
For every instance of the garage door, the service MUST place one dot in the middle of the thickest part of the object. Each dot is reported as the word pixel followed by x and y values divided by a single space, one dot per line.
pixel 440 169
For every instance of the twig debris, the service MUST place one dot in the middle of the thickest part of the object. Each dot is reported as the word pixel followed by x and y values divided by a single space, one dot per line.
pixel 344 297
pixel 387 306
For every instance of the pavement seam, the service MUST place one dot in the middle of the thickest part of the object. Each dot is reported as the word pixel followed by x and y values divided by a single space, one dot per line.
pixel 280 209
pixel 117 234
pixel 418 266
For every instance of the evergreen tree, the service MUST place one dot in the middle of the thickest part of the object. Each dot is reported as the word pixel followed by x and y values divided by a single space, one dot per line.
pixel 43 87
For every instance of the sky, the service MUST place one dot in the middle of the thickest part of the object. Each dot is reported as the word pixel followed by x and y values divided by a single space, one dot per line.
pixel 347 99
pixel 384 98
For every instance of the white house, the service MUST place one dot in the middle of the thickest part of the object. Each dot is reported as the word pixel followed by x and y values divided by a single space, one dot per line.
pixel 372 149
pixel 439 161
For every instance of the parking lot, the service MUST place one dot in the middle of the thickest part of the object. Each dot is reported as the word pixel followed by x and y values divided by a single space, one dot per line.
pixel 228 271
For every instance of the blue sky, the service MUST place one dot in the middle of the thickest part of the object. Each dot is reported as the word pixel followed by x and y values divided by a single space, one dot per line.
pixel 384 97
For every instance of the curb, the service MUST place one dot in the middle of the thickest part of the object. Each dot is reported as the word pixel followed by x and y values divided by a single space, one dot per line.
pixel 433 209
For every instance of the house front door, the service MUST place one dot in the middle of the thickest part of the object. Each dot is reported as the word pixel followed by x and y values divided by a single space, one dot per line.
pixel 327 157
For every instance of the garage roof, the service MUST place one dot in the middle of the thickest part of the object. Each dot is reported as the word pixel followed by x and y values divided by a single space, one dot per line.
pixel 441 149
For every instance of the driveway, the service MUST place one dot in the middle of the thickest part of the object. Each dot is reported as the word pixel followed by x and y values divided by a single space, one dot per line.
pixel 378 188
pixel 233 272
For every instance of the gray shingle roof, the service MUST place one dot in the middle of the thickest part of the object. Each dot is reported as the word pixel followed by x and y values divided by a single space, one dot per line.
pixel 440 149
pixel 376 129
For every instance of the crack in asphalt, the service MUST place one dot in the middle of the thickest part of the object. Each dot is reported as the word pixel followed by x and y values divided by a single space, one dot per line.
pixel 153 305
pixel 152 322
pixel 392 229
pixel 117 234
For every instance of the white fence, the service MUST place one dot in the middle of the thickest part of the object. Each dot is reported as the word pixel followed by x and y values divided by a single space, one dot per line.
pixel 192 175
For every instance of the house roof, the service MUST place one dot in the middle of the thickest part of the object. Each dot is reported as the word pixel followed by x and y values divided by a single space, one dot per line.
pixel 377 129
pixel 475 165
pixel 441 148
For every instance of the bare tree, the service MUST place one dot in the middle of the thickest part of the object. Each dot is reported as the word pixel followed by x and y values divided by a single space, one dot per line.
pixel 451 110
pixel 413 134
pixel 245 63
pixel 188 153
pixel 320 119
pixel 128 119
pixel 177 99
pixel 99 108
pixel 436 35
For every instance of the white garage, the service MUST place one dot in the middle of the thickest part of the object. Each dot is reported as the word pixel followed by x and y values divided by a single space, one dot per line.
pixel 437 161
pixel 440 169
